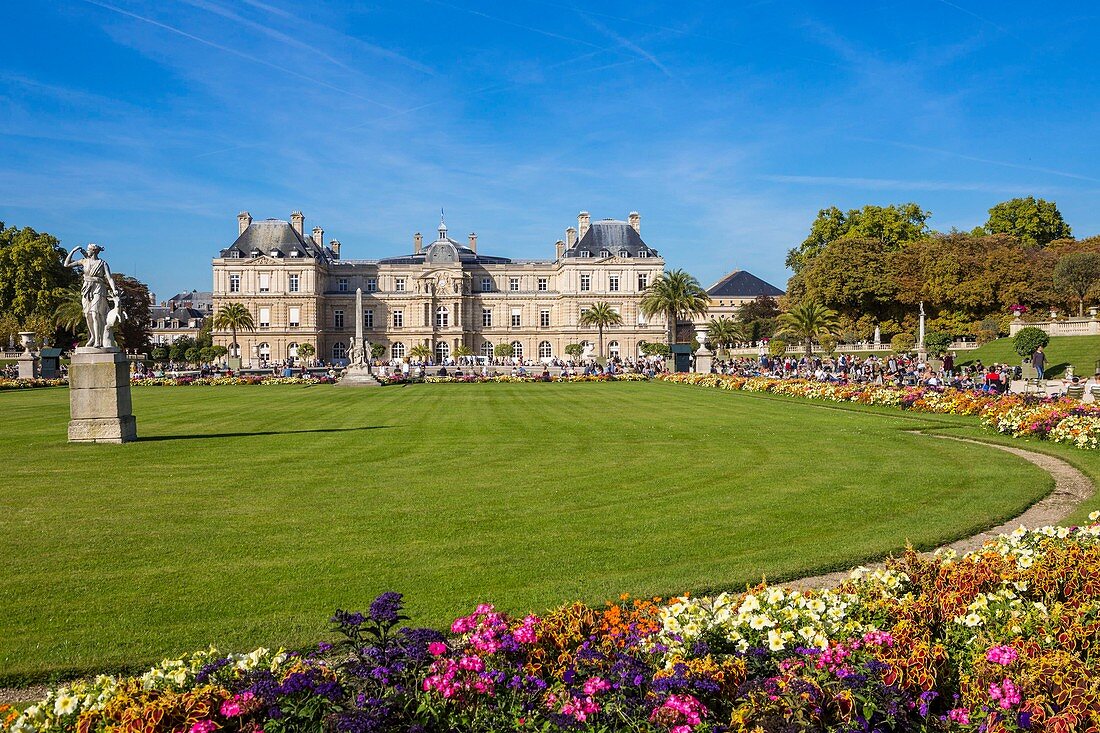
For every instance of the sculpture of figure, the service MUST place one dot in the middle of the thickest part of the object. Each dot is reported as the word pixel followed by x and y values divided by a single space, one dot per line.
pixel 589 352
pixel 114 316
pixel 98 285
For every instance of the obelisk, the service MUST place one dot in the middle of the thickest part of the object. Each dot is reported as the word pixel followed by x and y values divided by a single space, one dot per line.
pixel 358 373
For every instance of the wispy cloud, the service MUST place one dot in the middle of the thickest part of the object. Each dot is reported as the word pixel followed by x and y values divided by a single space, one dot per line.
pixel 629 45
pixel 909 185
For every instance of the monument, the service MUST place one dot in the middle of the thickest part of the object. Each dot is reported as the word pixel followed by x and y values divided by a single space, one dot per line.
pixel 704 357
pixel 100 410
pixel 358 372
pixel 922 352
pixel 28 360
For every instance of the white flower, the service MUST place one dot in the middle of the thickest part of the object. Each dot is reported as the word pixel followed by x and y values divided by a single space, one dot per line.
pixel 775 640
pixel 66 703
pixel 760 621
pixel 750 604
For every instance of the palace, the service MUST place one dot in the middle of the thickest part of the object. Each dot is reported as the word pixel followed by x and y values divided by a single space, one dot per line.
pixel 443 294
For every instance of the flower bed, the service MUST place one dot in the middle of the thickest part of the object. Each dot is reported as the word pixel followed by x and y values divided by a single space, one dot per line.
pixel 224 381
pixel 1001 639
pixel 508 378
pixel 6 384
pixel 1058 419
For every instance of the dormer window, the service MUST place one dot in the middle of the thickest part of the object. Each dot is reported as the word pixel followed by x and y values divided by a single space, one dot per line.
pixel 643 253
pixel 234 254
pixel 256 253
pixel 623 253
pixel 276 253
pixel 584 253
pixel 294 253
pixel 604 253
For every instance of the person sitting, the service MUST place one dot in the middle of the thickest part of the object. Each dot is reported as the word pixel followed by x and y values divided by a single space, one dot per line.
pixel 442 371
pixel 1075 388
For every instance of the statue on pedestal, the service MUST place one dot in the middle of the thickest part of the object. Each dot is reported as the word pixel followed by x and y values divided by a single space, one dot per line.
pixel 94 292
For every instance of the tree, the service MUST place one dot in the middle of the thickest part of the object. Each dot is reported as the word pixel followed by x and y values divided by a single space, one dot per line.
pixel 938 342
pixel 675 294
pixel 33 280
pixel 654 348
pixel 892 225
pixel 758 317
pixel 503 351
pixel 378 350
pixel 305 351
pixel 777 347
pixel 902 342
pixel 1076 273
pixel 69 314
pixel 809 321
pixel 1028 339
pixel 179 348
pixel 134 330
pixel 234 316
pixel 723 332
pixel 601 315
pixel 420 352
pixel 1035 222
pixel 574 350
pixel 161 353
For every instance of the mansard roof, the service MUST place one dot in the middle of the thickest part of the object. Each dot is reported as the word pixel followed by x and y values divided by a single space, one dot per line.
pixel 445 250
pixel 611 235
pixel 742 284
pixel 273 235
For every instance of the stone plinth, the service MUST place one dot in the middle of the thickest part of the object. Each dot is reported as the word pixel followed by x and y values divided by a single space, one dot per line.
pixel 28 366
pixel 358 376
pixel 99 397
pixel 704 358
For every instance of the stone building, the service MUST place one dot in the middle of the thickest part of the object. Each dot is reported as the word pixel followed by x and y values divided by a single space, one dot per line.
pixel 735 290
pixel 443 293
pixel 181 315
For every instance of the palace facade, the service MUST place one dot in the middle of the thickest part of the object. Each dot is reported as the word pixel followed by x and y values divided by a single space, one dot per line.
pixel 443 294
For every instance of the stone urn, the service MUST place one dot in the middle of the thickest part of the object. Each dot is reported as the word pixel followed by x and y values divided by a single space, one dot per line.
pixel 27 339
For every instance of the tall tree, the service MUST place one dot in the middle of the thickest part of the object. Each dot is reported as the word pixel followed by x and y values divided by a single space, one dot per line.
pixel 724 332
pixel 1077 273
pixel 135 330
pixel 33 279
pixel 1033 221
pixel 675 294
pixel 235 317
pixel 808 321
pixel 892 225
pixel 601 315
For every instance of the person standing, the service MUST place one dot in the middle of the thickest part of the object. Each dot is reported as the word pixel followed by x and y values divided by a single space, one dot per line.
pixel 1039 361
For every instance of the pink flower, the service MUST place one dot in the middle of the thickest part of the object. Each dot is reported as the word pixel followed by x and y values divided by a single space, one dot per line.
pixel 437 648
pixel 204 726
pixel 231 708
pixel 959 715
pixel 595 685
pixel 1003 655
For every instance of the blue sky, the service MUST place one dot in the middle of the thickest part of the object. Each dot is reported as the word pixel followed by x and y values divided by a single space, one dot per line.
pixel 147 125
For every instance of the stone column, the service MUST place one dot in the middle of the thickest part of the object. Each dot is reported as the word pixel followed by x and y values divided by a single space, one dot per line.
pixel 99 397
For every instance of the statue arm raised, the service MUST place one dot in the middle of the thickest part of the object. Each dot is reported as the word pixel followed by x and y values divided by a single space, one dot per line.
pixel 69 262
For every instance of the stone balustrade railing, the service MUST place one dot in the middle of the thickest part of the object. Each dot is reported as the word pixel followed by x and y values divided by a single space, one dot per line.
pixel 1084 326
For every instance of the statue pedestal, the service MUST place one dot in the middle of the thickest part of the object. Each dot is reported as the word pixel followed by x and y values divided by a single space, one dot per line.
pixel 358 376
pixel 704 359
pixel 99 397
pixel 28 365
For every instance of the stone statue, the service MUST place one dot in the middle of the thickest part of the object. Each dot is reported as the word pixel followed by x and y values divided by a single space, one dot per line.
pixel 589 352
pixel 98 286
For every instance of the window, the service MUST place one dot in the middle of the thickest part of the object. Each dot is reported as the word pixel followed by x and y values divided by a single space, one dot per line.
pixel 605 253
pixel 399 284
pixel 342 285
pixel 513 284
pixel 295 317
pixel 486 284
pixel 516 318
pixel 643 253
pixel 613 349
pixel 338 319
pixel 442 317
pixel 339 350
pixel 487 348
pixel 292 350
pixel 265 317
pixel 544 284
pixel 642 319
pixel 397 351
pixel 613 283
pixel 544 318
pixel 398 318
pixel 442 351
pixel 586 283
pixel 292 284
pixel 368 318
pixel 486 316
pixel 545 350
pixel 234 283
pixel 624 253
pixel 372 285
pixel 517 349
pixel 265 282
pixel 643 280
pixel 585 254
pixel 234 254
pixel 264 350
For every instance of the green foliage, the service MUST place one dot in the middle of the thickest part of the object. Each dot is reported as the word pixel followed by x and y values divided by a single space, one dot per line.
pixel 903 342
pixel 723 332
pixel 161 353
pixel 235 317
pixel 777 347
pixel 1076 273
pixel 134 331
pixel 758 318
pixel 33 280
pixel 655 348
pixel 1034 222
pixel 192 355
pixel 378 350
pixel 891 225
pixel 179 348
pixel 206 354
pixel 420 352
pixel 828 344
pixel 601 315
pixel 808 321
pixel 575 350
pixel 675 294
pixel 937 342
pixel 502 351
pixel 306 351
pixel 1028 339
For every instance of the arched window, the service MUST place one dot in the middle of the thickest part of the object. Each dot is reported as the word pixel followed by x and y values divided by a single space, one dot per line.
pixel 517 349
pixel 397 350
pixel 487 349
pixel 234 350
pixel 442 350
pixel 442 317
pixel 339 350
pixel 545 350
pixel 264 350
pixel 292 350
pixel 613 349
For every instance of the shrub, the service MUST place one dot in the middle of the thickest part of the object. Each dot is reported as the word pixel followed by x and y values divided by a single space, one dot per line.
pixel 902 342
pixel 985 336
pixel 1028 339
pixel 938 342
pixel 777 347
pixel 828 344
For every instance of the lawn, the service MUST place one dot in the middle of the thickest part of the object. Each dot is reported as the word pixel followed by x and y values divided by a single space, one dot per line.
pixel 245 515
pixel 1080 351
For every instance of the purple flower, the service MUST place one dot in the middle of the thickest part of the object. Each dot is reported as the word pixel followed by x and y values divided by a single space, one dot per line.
pixel 386 608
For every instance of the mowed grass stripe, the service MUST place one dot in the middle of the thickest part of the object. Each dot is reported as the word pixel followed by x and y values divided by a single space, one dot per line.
pixel 246 515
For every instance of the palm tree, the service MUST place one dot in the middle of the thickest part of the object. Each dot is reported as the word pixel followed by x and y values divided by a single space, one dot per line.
pixel 675 294
pixel 234 316
pixel 601 315
pixel 723 332
pixel 420 352
pixel 809 321
pixel 462 351
pixel 70 312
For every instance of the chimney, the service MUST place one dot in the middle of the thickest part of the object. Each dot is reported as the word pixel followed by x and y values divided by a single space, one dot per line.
pixel 418 243
pixel 635 221
pixel 570 237
pixel 319 236
pixel 298 222
pixel 582 224
pixel 473 242
pixel 334 245
pixel 243 220
pixel 559 249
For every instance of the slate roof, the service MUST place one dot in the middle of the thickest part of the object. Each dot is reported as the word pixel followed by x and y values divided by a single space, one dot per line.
pixel 268 235
pixel 445 250
pixel 742 284
pixel 613 236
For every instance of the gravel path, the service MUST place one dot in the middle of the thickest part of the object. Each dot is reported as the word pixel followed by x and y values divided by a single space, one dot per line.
pixel 1071 487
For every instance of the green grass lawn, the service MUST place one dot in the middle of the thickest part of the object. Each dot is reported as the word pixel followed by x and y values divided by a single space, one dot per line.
pixel 245 515
pixel 1080 351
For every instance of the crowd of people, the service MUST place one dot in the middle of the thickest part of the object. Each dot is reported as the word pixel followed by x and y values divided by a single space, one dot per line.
pixel 519 368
